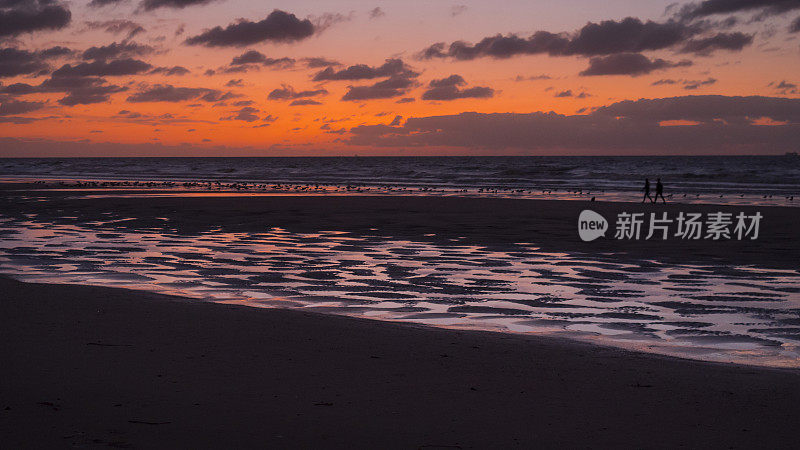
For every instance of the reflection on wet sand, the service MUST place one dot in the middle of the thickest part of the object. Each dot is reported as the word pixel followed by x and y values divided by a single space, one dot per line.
pixel 739 314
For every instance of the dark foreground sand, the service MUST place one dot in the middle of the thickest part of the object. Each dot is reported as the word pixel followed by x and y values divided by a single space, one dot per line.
pixel 91 366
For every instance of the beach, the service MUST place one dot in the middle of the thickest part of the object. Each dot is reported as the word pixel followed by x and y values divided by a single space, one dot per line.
pixel 93 365
pixel 89 366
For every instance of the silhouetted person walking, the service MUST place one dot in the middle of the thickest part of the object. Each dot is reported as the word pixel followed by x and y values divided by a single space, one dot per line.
pixel 647 190
pixel 659 191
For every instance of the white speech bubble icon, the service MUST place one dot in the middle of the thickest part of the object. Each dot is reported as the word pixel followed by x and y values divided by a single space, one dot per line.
pixel 591 225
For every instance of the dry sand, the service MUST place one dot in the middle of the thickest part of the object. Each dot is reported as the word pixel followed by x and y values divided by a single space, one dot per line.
pixel 98 366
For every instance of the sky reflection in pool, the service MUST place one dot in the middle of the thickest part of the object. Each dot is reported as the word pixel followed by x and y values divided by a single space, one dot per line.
pixel 741 314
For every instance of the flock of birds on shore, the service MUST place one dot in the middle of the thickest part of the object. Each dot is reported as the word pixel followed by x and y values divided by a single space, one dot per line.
pixel 349 188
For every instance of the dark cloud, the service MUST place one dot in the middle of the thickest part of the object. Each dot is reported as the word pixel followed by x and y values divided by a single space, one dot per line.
pixel 124 49
pixel 720 41
pixel 452 80
pixel 315 63
pixel 705 108
pixel 500 46
pixel 169 93
pixel 533 77
pixel 663 81
pixel 149 5
pixel 396 122
pixel 602 41
pixel 18 89
pixel 376 12
pixel 687 84
pixel 633 64
pixel 329 130
pixel 235 83
pixel 17 120
pixel 14 107
pixel 784 87
pixel 246 114
pixel 712 7
pixel 436 50
pixel 80 90
pixel 117 26
pixel 55 52
pixel 795 26
pixel 726 125
pixel 254 59
pixel 116 67
pixel 629 35
pixel 170 71
pixel 129 114
pixel 379 134
pixel 15 62
pixel 27 16
pixel 249 57
pixel 89 96
pixel 279 26
pixel 393 86
pixel 694 84
pixel 305 102
pixel 406 100
pixel 159 119
pixel 364 72
pixel 568 93
pixel 449 89
pixel 287 92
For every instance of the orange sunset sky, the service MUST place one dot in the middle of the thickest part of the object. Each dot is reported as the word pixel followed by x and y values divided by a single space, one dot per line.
pixel 240 78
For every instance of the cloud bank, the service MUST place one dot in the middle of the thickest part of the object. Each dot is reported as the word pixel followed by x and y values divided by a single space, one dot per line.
pixel 279 26
pixel 721 125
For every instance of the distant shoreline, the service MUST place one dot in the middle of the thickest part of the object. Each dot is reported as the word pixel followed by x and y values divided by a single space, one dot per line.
pixel 166 186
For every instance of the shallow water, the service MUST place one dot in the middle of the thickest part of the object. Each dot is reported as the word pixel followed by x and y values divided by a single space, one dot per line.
pixel 739 314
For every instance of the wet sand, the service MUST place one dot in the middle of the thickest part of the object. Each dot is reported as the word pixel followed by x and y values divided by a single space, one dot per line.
pixel 100 366
pixel 92 366
pixel 549 224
